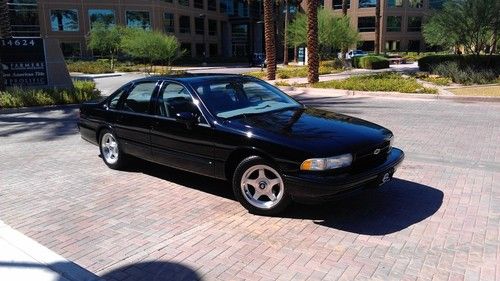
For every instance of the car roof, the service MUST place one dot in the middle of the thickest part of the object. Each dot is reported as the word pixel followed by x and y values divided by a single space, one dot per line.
pixel 194 78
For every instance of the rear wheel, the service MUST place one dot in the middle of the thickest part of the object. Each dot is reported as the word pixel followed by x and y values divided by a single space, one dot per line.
pixel 259 187
pixel 111 152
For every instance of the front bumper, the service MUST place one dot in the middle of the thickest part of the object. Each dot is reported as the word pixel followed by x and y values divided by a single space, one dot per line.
pixel 312 187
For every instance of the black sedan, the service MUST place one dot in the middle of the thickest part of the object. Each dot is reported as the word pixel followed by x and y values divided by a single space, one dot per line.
pixel 272 148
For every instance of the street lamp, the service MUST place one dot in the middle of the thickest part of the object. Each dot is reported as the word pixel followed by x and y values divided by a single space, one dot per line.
pixel 203 16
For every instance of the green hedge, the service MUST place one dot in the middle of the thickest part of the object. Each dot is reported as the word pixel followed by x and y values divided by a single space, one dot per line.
pixel 370 62
pixel 89 67
pixel 18 97
pixel 481 62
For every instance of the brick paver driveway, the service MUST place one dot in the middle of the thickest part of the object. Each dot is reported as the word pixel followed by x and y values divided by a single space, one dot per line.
pixel 439 219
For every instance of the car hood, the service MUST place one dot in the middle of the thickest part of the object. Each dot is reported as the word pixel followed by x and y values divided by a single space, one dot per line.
pixel 318 132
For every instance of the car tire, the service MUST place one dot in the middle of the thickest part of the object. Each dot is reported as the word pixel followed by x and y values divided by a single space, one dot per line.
pixel 111 152
pixel 259 187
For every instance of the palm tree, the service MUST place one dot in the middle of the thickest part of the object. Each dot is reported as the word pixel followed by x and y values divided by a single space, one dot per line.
pixel 285 43
pixel 269 39
pixel 377 27
pixel 312 41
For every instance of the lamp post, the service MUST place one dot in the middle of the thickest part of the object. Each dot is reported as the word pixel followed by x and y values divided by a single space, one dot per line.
pixel 203 16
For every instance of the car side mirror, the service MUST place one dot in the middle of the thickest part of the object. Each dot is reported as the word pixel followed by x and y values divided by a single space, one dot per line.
pixel 187 118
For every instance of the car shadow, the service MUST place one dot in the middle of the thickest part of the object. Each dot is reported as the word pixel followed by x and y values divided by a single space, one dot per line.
pixel 388 209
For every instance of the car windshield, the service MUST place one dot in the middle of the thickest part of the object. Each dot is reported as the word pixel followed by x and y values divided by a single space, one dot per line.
pixel 236 97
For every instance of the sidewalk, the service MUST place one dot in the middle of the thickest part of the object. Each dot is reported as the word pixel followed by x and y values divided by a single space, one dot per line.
pixel 23 259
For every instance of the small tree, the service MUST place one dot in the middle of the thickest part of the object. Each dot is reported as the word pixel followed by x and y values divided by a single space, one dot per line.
pixel 333 31
pixel 472 24
pixel 150 46
pixel 106 40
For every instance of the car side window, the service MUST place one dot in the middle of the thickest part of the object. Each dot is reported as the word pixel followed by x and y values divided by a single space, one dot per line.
pixel 139 98
pixel 115 98
pixel 173 99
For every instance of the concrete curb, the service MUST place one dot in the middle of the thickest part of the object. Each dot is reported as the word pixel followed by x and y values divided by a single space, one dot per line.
pixel 38 108
pixel 45 257
pixel 340 92
pixel 82 76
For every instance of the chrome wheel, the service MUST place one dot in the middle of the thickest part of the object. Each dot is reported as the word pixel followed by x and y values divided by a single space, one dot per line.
pixel 262 186
pixel 109 148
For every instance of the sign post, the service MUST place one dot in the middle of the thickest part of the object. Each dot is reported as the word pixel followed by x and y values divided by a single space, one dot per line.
pixel 23 62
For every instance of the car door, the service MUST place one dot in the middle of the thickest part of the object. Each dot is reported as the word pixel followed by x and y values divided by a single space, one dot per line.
pixel 176 144
pixel 134 118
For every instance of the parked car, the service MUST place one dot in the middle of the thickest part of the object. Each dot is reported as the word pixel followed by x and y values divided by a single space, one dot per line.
pixel 259 59
pixel 272 148
pixel 355 53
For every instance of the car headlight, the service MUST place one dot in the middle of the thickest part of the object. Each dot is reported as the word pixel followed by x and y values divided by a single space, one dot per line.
pixel 322 164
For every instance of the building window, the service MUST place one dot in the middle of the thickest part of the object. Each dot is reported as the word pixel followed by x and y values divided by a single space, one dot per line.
pixel 366 24
pixel 186 47
pixel 200 50
pixel 199 26
pixel 416 3
pixel 394 23
pixel 24 18
pixel 414 46
pixel 367 46
pixel 64 20
pixel 337 4
pixel 184 3
pixel 198 4
pixel 212 5
pixel 168 22
pixel 212 27
pixel 367 3
pixel 167 1
pixel 138 19
pixel 414 24
pixel 71 50
pixel 107 17
pixel 394 3
pixel 392 45
pixel 436 4
pixel 223 6
pixel 239 39
pixel 213 50
pixel 184 24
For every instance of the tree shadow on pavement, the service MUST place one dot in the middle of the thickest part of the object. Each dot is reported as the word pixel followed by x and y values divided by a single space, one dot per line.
pixel 43 124
pixel 152 271
pixel 388 209
pixel 142 271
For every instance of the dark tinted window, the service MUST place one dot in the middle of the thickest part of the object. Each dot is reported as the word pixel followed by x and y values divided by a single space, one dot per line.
pixel 115 98
pixel 139 98
pixel 173 99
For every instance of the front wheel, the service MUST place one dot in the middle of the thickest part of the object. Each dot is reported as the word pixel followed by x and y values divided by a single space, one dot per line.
pixel 259 187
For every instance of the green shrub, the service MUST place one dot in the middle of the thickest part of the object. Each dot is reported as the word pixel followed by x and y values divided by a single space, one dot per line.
pixel 291 72
pixel 370 62
pixel 482 62
pixel 387 82
pixel 18 97
pixel 464 75
pixel 335 64
pixel 89 67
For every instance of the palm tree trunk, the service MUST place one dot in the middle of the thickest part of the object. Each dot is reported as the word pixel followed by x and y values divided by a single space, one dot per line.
pixel 344 13
pixel 312 41
pixel 269 37
pixel 285 38
pixel 377 28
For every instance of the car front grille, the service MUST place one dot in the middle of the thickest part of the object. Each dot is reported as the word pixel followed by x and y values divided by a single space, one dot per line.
pixel 367 158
